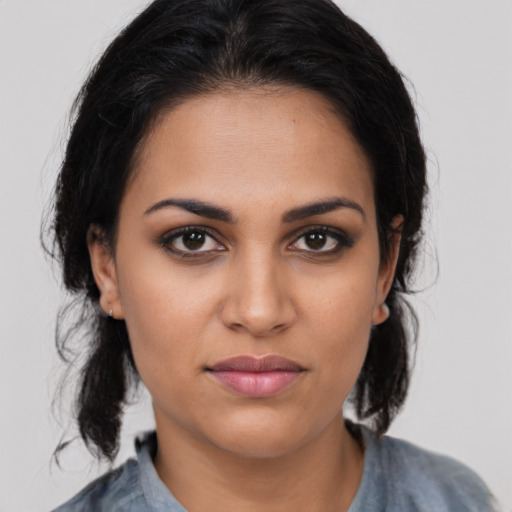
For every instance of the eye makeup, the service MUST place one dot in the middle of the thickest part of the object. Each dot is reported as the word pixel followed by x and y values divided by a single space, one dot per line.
pixel 200 242
pixel 197 242
pixel 322 241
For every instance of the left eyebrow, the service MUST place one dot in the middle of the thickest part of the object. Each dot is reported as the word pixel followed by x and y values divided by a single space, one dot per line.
pixel 321 207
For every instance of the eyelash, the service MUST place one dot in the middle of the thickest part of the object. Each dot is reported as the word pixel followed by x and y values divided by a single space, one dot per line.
pixel 168 239
pixel 342 239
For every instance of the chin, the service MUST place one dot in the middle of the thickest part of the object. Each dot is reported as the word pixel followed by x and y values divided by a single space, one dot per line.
pixel 261 438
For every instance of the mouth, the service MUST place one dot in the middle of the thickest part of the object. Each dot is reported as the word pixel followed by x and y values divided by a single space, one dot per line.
pixel 256 377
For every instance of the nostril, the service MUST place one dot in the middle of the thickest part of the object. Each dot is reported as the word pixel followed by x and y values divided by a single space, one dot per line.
pixel 235 327
pixel 277 328
pixel 257 331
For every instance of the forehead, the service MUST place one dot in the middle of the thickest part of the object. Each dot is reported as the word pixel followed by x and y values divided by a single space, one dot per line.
pixel 249 147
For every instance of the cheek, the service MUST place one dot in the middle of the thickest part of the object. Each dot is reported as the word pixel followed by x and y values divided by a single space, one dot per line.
pixel 164 333
pixel 342 300
pixel 338 314
pixel 165 315
pixel 156 294
pixel 345 331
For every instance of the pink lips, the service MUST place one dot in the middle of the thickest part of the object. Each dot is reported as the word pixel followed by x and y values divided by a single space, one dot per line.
pixel 256 377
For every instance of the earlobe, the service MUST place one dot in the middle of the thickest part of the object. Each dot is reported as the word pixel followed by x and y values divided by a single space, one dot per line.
pixel 104 272
pixel 380 314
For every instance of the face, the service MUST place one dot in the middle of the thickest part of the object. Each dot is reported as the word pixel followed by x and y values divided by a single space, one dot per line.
pixel 247 268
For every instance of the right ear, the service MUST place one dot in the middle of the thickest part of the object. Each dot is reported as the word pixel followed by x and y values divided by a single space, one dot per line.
pixel 104 271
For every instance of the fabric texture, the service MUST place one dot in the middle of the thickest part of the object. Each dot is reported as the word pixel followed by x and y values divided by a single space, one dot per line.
pixel 397 477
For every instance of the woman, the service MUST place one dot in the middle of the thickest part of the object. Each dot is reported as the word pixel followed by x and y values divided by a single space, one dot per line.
pixel 241 204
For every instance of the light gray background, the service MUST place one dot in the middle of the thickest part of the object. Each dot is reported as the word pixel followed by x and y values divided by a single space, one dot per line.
pixel 458 55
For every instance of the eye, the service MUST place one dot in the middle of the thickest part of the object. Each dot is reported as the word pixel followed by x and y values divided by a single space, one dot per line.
pixel 322 240
pixel 190 240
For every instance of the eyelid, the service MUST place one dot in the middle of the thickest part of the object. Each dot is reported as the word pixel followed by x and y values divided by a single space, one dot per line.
pixel 343 239
pixel 166 241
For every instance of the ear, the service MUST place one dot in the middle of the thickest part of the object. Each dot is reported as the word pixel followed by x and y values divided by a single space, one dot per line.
pixel 104 271
pixel 387 272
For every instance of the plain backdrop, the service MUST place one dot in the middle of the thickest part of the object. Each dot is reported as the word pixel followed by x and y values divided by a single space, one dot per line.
pixel 458 55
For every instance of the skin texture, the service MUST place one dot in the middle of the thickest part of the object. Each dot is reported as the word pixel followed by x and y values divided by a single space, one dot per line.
pixel 255 287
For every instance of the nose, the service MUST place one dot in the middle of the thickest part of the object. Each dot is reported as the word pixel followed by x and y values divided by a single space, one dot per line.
pixel 258 301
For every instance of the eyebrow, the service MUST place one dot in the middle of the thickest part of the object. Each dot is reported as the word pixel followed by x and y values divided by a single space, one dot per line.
pixel 201 208
pixel 214 212
pixel 321 207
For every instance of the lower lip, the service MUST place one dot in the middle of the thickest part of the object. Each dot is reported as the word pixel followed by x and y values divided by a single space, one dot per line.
pixel 256 385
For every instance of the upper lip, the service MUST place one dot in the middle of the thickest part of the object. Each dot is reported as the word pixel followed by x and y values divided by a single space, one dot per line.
pixel 256 364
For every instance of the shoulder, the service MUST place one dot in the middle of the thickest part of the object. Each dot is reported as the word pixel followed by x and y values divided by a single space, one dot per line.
pixel 424 480
pixel 116 491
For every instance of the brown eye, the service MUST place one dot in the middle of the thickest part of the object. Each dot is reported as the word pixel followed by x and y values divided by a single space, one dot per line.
pixel 316 240
pixel 322 240
pixel 194 240
pixel 189 240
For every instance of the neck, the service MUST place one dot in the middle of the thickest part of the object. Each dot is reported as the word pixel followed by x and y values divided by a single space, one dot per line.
pixel 324 474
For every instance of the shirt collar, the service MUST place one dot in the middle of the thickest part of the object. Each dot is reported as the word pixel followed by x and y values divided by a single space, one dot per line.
pixel 158 496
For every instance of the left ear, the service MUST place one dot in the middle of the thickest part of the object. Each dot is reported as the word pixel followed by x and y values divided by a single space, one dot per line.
pixel 387 272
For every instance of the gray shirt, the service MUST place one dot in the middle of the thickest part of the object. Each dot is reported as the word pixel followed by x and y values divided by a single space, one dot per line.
pixel 397 477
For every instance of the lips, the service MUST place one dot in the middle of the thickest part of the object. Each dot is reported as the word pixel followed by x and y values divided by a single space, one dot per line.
pixel 256 377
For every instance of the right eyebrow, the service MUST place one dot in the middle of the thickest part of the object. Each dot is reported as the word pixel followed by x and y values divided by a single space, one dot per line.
pixel 201 208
